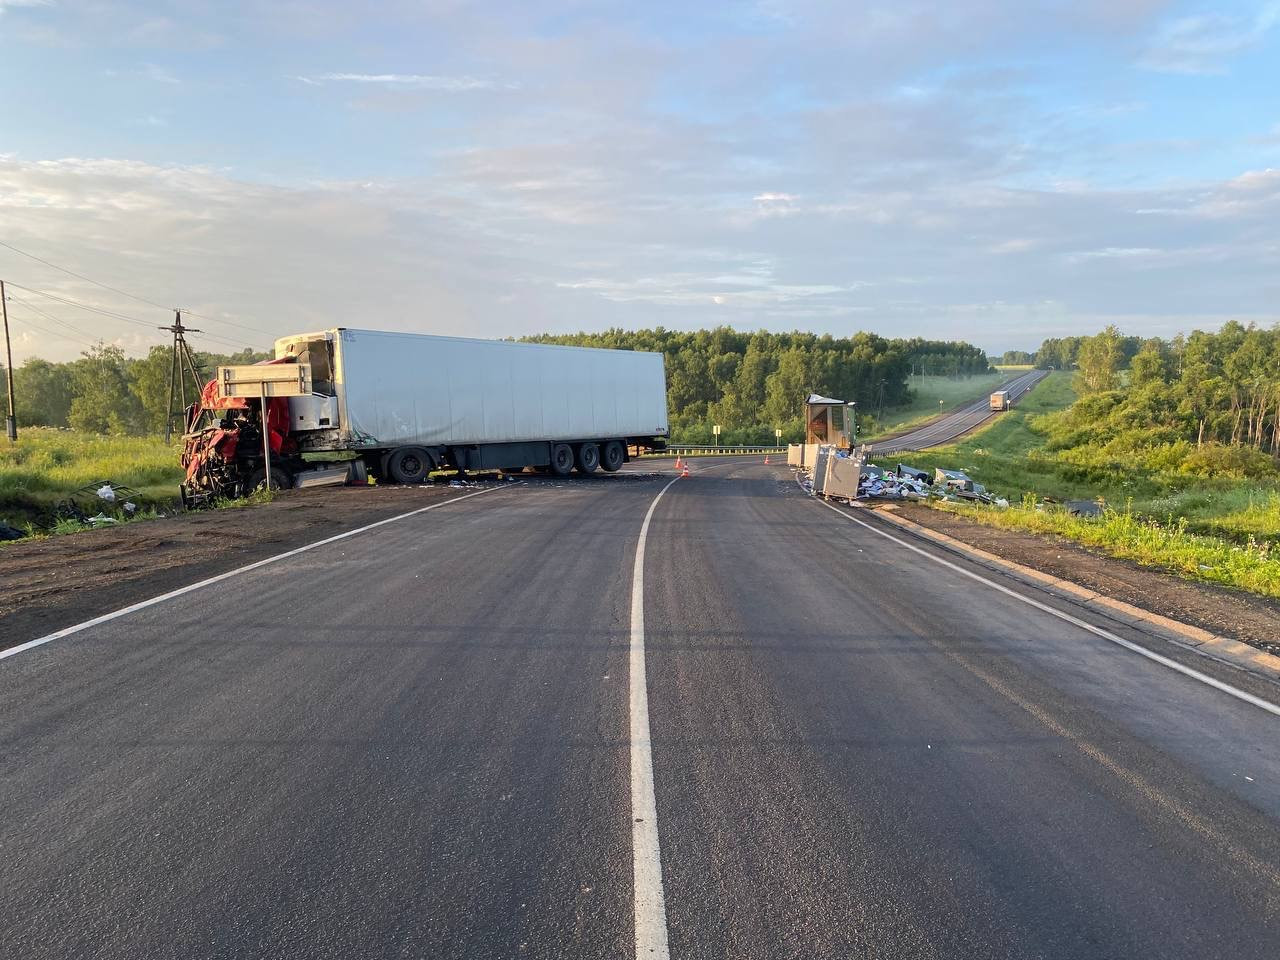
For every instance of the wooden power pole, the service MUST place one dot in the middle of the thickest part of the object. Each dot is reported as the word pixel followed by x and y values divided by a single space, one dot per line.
pixel 181 365
pixel 11 421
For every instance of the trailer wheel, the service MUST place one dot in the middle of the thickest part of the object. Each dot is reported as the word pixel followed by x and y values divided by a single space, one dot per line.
pixel 588 458
pixel 612 456
pixel 409 465
pixel 562 459
pixel 281 479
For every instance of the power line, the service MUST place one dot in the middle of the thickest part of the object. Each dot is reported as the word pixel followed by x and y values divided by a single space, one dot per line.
pixel 232 323
pixel 48 316
pixel 82 306
pixel 81 276
pixel 123 293
pixel 239 344
pixel 61 336
pixel 108 313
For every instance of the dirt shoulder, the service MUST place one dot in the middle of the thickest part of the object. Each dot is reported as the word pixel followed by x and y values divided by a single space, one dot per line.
pixel 1251 619
pixel 46 585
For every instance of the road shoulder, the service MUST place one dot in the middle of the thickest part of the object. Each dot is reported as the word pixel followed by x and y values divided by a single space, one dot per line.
pixel 53 583
pixel 1189 614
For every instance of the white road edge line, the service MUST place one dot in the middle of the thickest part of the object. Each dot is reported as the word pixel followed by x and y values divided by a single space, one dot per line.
pixel 646 856
pixel 1083 624
pixel 143 604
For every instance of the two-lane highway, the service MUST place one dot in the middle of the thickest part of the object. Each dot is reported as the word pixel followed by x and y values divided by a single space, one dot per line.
pixel 957 424
pixel 420 741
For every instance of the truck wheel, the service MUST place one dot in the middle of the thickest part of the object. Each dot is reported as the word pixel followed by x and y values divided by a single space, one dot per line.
pixel 409 465
pixel 562 459
pixel 588 458
pixel 281 479
pixel 612 456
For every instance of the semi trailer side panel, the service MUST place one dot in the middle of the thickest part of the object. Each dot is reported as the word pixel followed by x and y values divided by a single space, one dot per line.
pixel 403 388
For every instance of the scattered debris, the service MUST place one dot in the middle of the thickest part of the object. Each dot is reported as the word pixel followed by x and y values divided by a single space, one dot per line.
pixel 913 473
pixel 845 475
pixel 1083 508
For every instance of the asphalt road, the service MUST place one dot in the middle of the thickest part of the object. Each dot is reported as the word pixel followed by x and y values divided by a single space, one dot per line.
pixel 957 424
pixel 416 742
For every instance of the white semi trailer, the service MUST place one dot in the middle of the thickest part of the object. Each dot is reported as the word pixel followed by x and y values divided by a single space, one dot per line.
pixel 401 405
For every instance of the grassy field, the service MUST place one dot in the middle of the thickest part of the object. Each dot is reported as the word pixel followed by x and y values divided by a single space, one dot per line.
pixel 1221 531
pixel 47 465
pixel 934 395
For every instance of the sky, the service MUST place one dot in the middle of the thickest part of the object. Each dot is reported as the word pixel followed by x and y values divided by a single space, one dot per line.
pixel 997 172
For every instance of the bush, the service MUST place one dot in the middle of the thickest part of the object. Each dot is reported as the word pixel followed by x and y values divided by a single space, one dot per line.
pixel 1215 459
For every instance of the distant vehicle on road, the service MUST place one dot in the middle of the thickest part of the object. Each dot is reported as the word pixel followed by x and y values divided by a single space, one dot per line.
pixel 1000 400
pixel 398 406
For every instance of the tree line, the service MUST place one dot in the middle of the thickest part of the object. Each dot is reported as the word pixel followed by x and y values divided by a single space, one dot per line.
pixel 1168 402
pixel 749 383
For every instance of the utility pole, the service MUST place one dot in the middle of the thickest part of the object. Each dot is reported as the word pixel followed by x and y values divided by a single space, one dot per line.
pixel 181 364
pixel 11 421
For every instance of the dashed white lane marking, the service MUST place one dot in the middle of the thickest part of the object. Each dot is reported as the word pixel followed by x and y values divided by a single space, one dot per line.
pixel 142 605
pixel 1082 624
pixel 650 902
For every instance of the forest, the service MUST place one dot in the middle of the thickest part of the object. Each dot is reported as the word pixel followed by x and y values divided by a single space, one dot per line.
pixel 1205 403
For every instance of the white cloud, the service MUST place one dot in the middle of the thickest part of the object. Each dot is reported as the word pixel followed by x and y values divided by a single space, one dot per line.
pixel 158 74
pixel 1203 44
pixel 485 247
pixel 458 84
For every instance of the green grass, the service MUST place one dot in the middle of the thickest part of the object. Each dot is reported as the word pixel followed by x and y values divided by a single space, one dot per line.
pixel 934 395
pixel 46 465
pixel 1252 565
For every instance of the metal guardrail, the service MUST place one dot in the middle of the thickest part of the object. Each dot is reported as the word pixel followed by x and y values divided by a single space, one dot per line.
pixel 695 449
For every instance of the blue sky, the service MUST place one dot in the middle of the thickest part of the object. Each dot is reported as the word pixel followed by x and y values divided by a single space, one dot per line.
pixel 992 171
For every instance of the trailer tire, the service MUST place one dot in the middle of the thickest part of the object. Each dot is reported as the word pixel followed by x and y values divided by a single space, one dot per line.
pixel 587 458
pixel 409 465
pixel 561 459
pixel 281 479
pixel 612 456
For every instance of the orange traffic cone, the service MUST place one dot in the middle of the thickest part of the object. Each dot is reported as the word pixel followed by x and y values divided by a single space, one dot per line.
pixel 766 459
pixel 677 461
pixel 685 470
